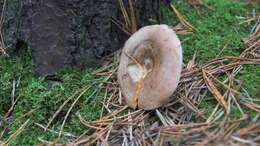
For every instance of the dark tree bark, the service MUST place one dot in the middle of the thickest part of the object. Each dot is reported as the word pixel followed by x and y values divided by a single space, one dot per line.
pixel 71 32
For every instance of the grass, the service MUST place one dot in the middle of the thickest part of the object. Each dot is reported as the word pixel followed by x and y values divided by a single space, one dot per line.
pixel 217 29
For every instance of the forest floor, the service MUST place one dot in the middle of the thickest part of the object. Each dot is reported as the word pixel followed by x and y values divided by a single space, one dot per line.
pixel 220 28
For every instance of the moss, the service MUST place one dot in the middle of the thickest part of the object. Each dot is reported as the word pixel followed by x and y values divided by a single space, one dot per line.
pixel 34 93
pixel 216 29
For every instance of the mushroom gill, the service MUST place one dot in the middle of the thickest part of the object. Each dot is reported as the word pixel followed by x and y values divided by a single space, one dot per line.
pixel 150 67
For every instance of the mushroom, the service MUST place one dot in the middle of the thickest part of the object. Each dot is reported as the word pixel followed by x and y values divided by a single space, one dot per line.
pixel 150 67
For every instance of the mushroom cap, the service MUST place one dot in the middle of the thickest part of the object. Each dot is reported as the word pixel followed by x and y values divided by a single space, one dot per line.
pixel 150 67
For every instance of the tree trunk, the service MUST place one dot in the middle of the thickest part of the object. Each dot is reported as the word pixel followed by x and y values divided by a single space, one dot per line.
pixel 75 33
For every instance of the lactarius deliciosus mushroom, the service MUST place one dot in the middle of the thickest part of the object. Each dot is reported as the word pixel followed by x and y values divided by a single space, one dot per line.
pixel 150 67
